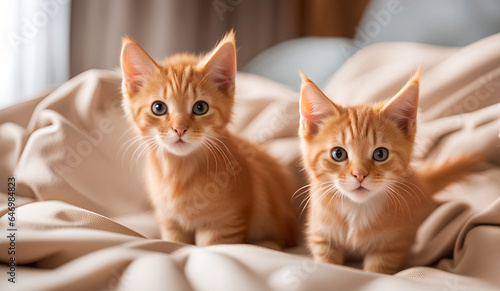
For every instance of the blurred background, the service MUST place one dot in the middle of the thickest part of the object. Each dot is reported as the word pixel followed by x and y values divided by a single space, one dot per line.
pixel 46 42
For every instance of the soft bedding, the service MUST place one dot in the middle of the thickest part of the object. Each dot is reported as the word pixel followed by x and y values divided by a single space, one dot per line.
pixel 83 220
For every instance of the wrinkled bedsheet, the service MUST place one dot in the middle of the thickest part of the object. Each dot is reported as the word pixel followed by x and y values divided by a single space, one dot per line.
pixel 83 220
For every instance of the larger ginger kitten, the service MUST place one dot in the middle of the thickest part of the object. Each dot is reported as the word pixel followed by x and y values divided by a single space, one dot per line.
pixel 365 198
pixel 207 185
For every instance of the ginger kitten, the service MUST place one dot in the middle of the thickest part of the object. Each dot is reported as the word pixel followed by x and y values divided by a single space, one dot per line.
pixel 207 185
pixel 365 198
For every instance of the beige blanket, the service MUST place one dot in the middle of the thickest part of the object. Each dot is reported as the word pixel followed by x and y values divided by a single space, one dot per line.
pixel 83 221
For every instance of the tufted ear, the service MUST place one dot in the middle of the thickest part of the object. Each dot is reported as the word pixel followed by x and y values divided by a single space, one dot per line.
pixel 220 64
pixel 136 65
pixel 403 107
pixel 314 106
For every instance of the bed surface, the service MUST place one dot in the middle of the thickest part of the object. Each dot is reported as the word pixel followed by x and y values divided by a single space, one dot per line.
pixel 84 222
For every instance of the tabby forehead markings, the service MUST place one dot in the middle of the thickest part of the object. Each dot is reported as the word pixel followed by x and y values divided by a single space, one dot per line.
pixel 184 83
pixel 366 128
pixel 182 92
pixel 374 136
pixel 353 124
pixel 349 135
pixel 342 137
pixel 162 94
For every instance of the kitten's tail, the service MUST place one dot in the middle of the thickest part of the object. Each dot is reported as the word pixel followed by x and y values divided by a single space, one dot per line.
pixel 436 178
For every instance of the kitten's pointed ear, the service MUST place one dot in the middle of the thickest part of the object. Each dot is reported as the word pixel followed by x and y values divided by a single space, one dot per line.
pixel 221 62
pixel 136 64
pixel 314 106
pixel 403 107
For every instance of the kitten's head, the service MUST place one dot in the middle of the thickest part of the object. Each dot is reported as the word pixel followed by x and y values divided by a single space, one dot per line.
pixel 361 150
pixel 183 102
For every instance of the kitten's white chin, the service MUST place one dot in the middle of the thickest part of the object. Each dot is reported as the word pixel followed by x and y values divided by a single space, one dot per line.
pixel 360 195
pixel 181 148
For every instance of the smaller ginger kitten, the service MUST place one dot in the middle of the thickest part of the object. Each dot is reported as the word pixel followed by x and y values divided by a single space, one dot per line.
pixel 207 185
pixel 366 201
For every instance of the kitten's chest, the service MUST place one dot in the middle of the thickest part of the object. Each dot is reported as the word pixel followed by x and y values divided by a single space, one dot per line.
pixel 360 224
pixel 361 216
pixel 191 200
pixel 182 196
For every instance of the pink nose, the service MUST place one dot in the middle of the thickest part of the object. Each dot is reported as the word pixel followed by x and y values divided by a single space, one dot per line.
pixel 180 130
pixel 359 176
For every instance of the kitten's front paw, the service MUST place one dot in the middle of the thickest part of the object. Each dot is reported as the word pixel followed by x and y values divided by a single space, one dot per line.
pixel 325 253
pixel 220 235
pixel 172 231
pixel 332 257
pixel 177 237
pixel 385 263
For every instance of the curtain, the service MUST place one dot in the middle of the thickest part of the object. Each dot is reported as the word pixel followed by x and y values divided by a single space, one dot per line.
pixel 164 27
pixel 47 41
pixel 34 47
pixel 331 17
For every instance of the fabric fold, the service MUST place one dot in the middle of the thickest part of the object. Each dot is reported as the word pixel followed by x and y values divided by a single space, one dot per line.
pixel 84 220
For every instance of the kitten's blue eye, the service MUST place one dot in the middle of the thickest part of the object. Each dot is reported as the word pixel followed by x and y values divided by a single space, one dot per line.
pixel 339 154
pixel 200 108
pixel 159 108
pixel 380 154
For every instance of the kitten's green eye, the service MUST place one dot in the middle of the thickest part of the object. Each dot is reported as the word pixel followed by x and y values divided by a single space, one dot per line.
pixel 159 108
pixel 339 154
pixel 380 154
pixel 200 108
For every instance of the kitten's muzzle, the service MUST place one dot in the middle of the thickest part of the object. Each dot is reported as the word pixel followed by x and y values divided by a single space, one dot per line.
pixel 359 176
pixel 179 130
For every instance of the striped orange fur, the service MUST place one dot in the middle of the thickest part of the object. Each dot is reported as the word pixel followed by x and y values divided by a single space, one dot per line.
pixel 207 185
pixel 369 204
